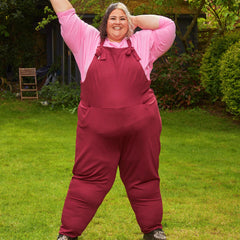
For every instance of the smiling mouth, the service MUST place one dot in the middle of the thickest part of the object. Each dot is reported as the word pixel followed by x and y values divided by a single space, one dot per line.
pixel 117 28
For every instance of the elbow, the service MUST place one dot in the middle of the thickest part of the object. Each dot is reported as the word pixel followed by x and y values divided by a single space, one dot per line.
pixel 174 31
pixel 171 32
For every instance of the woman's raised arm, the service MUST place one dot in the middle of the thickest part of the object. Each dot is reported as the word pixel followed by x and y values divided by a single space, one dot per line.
pixel 150 22
pixel 61 5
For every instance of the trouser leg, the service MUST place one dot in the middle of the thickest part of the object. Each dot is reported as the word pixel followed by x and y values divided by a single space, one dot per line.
pixel 139 171
pixel 94 173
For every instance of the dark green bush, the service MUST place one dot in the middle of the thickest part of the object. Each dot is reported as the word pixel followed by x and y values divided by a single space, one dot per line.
pixel 176 80
pixel 230 78
pixel 20 45
pixel 210 65
pixel 8 95
pixel 61 96
pixel 176 83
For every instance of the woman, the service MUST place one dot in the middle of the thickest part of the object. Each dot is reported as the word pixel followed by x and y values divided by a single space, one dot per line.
pixel 118 117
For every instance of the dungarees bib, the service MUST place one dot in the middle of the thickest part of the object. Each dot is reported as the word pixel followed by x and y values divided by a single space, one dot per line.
pixel 118 125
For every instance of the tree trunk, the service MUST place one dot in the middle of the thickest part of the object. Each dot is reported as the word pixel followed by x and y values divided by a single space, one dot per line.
pixel 184 37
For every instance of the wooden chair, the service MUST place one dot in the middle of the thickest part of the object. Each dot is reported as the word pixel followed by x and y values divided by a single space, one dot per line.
pixel 28 83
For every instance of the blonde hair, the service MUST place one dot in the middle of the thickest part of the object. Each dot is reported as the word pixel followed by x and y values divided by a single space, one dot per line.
pixel 113 6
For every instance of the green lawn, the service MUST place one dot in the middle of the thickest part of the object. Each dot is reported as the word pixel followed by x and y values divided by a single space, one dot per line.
pixel 199 169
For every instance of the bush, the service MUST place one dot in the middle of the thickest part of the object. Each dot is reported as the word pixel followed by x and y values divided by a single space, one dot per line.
pixel 20 45
pixel 210 65
pixel 176 83
pixel 176 80
pixel 230 78
pixel 61 96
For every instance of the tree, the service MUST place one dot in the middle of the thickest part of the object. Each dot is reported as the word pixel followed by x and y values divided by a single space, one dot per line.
pixel 17 43
pixel 222 14
pixel 184 36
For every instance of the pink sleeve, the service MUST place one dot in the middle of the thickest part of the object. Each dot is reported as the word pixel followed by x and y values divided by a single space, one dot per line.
pixel 151 44
pixel 75 32
pixel 163 37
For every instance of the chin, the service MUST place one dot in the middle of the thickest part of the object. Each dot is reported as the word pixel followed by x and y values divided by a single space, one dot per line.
pixel 115 39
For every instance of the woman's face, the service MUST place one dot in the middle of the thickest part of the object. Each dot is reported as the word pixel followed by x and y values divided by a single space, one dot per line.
pixel 117 26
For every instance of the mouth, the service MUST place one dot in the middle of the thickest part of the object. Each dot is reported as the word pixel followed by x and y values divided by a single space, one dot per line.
pixel 117 28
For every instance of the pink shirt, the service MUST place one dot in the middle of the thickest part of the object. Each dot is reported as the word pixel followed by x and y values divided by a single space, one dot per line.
pixel 83 40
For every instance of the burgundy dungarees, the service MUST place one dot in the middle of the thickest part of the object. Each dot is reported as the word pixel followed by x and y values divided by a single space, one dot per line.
pixel 118 125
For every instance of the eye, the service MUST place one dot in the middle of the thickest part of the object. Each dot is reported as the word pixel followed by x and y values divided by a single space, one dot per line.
pixel 122 18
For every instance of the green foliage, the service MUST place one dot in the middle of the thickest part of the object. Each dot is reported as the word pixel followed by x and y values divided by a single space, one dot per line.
pixel 61 96
pixel 222 14
pixel 8 95
pixel 46 20
pixel 211 63
pixel 3 31
pixel 98 7
pixel 17 27
pixel 176 80
pixel 230 78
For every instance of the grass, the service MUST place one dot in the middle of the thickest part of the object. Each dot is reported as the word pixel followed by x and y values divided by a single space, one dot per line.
pixel 199 169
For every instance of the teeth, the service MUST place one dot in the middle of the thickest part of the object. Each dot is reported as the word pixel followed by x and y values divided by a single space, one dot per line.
pixel 117 28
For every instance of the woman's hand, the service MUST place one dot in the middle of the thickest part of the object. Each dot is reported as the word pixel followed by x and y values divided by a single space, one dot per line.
pixel 133 20
pixel 61 5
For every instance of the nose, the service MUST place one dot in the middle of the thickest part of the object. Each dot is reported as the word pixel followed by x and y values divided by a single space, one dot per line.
pixel 117 20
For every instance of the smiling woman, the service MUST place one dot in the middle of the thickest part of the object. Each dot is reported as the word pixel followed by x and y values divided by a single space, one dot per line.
pixel 117 26
pixel 118 118
pixel 119 19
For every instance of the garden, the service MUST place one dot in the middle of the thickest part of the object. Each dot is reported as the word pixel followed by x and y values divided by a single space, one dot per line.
pixel 199 170
pixel 198 93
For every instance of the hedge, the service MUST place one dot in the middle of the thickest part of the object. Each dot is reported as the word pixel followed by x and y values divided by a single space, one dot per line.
pixel 210 65
pixel 230 78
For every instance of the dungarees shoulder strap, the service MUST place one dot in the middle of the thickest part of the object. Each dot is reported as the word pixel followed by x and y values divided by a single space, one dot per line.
pixel 130 51
pixel 99 52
